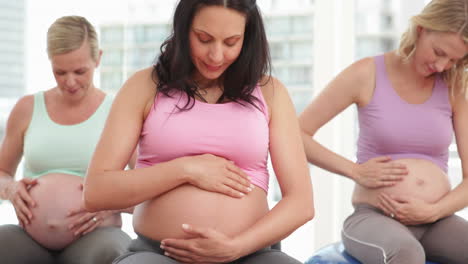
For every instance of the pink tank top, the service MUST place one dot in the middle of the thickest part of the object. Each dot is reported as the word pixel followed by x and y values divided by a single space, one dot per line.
pixel 390 126
pixel 239 133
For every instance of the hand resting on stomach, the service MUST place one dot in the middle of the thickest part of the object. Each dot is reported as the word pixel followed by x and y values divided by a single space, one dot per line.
pixel 425 180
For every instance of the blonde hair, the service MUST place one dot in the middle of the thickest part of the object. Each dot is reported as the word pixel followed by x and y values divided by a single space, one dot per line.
pixel 68 33
pixel 442 16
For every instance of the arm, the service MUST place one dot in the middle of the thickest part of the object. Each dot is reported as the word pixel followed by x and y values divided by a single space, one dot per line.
pixel 354 85
pixel 131 165
pixel 106 176
pixel 11 151
pixel 457 198
pixel 337 96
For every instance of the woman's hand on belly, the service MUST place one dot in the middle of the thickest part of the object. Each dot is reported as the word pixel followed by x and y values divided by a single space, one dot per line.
pixel 18 195
pixel 216 174
pixel 379 172
pixel 206 245
pixel 408 210
pixel 83 222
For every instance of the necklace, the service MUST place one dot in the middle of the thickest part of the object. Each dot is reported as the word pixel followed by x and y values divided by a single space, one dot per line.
pixel 200 92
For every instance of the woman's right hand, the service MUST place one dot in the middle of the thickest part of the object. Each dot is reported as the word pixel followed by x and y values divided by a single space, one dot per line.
pixel 379 172
pixel 216 174
pixel 18 195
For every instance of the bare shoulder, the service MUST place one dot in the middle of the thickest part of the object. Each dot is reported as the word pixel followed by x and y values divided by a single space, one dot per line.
pixel 141 81
pixel 23 109
pixel 458 96
pixel 21 114
pixel 138 91
pixel 459 101
pixel 361 71
pixel 271 87
pixel 359 80
pixel 364 64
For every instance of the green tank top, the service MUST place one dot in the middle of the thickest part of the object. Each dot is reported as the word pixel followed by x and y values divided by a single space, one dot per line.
pixel 53 148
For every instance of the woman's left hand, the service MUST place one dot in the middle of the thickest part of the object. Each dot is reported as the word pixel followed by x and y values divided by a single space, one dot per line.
pixel 407 210
pixel 206 246
pixel 84 222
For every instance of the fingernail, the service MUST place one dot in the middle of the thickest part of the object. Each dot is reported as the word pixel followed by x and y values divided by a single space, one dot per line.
pixel 162 246
pixel 167 254
pixel 241 194
pixel 252 186
pixel 249 189
pixel 185 226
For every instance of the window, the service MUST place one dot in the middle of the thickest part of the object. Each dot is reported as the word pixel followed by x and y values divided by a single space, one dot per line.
pixel 112 57
pixel 301 51
pixel 112 34
pixel 111 81
pixel 301 24
pixel 279 51
pixel 12 48
pixel 374 45
pixel 142 57
pixel 278 26
pixel 300 75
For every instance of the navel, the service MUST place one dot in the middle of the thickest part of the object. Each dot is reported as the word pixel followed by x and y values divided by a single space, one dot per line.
pixel 420 182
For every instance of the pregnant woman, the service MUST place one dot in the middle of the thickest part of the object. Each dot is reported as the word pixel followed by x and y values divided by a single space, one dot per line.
pixel 56 132
pixel 409 102
pixel 204 118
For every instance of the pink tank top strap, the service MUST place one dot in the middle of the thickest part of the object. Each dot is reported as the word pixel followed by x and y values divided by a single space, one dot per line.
pixel 263 105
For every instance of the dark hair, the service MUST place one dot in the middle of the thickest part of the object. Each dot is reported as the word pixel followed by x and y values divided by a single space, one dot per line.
pixel 174 65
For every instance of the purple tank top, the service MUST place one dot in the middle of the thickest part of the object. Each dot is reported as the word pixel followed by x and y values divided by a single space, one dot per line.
pixel 390 126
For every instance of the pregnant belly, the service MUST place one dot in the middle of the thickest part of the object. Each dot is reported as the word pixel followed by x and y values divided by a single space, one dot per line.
pixel 56 194
pixel 425 181
pixel 163 216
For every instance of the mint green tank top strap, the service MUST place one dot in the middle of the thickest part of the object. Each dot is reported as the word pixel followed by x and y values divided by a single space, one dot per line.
pixel 53 148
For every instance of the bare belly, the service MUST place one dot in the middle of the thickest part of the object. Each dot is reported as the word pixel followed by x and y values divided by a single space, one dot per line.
pixel 425 181
pixel 56 194
pixel 163 216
